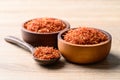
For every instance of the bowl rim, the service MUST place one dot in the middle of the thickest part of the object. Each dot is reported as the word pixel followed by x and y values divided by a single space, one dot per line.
pixel 66 23
pixel 89 45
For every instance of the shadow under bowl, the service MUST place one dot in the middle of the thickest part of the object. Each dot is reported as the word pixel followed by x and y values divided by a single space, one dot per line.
pixel 41 39
pixel 84 54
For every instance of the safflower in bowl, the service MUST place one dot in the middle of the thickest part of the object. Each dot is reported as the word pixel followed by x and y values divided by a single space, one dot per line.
pixel 43 31
pixel 84 45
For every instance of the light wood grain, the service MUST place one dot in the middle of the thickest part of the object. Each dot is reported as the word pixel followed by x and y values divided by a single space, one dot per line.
pixel 17 64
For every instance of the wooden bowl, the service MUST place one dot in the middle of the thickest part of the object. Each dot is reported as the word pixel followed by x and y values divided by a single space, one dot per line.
pixel 84 54
pixel 41 39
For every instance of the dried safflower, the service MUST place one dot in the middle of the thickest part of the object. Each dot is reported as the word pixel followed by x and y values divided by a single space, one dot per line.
pixel 45 25
pixel 85 36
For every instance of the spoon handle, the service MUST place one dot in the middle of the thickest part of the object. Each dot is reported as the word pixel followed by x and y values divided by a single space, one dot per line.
pixel 20 43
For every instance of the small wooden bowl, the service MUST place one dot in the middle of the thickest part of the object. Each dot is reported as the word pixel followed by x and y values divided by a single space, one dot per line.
pixel 41 39
pixel 84 54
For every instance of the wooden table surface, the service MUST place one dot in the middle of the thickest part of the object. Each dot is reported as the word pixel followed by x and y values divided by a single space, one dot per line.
pixel 17 64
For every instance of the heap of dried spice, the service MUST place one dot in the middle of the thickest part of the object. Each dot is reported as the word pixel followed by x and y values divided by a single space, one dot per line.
pixel 46 53
pixel 45 25
pixel 85 36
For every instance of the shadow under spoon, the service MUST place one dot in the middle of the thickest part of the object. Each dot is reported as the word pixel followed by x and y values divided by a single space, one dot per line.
pixel 30 48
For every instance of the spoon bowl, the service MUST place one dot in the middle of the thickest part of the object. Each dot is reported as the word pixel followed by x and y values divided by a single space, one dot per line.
pixel 30 48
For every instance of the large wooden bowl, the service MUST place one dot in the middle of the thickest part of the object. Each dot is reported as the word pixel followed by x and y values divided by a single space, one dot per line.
pixel 84 54
pixel 41 39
